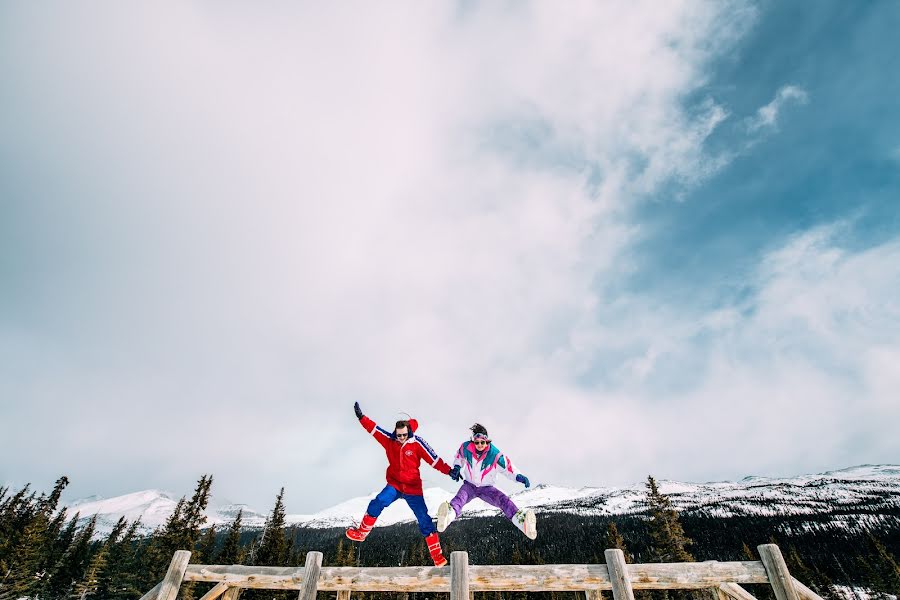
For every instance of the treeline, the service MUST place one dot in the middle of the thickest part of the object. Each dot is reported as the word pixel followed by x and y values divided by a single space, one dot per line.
pixel 46 554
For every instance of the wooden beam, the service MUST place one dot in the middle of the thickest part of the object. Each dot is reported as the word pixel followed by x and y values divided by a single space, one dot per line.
pixel 459 575
pixel 804 592
pixel 151 595
pixel 484 578
pixel 618 575
pixel 343 595
pixel 593 595
pixel 736 591
pixel 216 591
pixel 172 581
pixel 779 576
pixel 232 593
pixel 310 576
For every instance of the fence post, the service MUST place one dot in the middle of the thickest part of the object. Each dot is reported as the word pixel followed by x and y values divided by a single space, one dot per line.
pixel 172 581
pixel 776 569
pixel 459 575
pixel 151 595
pixel 593 595
pixel 311 576
pixel 618 575
pixel 343 595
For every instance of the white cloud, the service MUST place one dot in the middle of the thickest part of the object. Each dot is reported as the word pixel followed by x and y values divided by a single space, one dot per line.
pixel 268 215
pixel 800 377
pixel 766 117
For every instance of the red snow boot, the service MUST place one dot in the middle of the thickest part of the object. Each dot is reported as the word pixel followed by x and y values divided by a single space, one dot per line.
pixel 434 548
pixel 358 534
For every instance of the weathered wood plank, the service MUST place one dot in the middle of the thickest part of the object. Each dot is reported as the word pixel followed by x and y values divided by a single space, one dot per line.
pixel 172 581
pixel 593 595
pixel 151 595
pixel 343 595
pixel 779 576
pixel 804 592
pixel 459 576
pixel 232 593
pixel 310 576
pixel 216 591
pixel 736 591
pixel 484 578
pixel 618 574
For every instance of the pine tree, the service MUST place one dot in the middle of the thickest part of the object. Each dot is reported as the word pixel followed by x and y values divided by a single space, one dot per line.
pixel 50 503
pixel 194 517
pixel 273 547
pixel 116 580
pixel 231 554
pixel 180 532
pixel 668 541
pixel 748 553
pixel 206 547
pixel 615 540
pixel 71 567
pixel 885 565
pixel 22 577
pixel 90 581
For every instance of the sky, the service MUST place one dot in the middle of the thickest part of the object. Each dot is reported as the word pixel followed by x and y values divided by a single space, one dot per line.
pixel 629 238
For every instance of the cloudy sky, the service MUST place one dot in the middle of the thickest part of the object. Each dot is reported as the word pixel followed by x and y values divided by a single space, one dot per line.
pixel 628 237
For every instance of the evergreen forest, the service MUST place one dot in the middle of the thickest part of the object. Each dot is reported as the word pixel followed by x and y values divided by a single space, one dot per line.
pixel 47 553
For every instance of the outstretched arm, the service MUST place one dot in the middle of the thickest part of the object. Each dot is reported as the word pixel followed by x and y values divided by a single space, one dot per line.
pixel 380 435
pixel 431 457
pixel 510 470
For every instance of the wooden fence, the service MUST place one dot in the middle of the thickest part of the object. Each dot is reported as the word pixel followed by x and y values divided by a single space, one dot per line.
pixel 461 580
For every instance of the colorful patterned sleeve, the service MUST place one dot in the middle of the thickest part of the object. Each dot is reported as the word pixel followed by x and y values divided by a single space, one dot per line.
pixel 507 467
pixel 460 459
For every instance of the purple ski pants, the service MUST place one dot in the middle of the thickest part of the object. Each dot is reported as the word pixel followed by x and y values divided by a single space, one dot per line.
pixel 488 493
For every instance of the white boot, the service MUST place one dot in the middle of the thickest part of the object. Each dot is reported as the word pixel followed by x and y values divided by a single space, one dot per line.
pixel 445 516
pixel 526 522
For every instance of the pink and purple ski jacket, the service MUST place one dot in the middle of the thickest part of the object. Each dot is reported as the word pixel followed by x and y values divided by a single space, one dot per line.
pixel 483 471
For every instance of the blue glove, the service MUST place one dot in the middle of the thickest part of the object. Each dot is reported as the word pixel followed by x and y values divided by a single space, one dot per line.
pixel 358 410
pixel 454 473
pixel 522 479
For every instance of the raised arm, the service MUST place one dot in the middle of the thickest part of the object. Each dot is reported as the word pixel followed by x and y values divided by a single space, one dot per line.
pixel 380 435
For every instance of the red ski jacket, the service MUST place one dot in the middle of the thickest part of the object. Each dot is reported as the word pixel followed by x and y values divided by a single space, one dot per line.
pixel 403 458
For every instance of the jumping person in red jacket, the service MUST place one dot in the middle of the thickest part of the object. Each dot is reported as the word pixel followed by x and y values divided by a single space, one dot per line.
pixel 404 450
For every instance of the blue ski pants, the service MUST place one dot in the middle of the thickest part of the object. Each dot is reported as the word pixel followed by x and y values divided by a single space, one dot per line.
pixel 389 494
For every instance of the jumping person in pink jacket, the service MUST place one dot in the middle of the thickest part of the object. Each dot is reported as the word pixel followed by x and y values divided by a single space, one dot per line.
pixel 478 461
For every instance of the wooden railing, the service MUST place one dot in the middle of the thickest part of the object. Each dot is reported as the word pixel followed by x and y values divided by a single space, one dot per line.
pixel 460 580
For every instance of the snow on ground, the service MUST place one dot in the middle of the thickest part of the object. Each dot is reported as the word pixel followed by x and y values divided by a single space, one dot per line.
pixel 859 593
pixel 833 493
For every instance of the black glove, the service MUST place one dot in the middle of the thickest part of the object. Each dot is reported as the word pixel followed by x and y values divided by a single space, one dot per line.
pixel 523 480
pixel 454 473
pixel 357 410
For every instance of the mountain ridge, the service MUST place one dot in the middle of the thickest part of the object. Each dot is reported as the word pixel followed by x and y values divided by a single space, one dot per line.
pixel 847 495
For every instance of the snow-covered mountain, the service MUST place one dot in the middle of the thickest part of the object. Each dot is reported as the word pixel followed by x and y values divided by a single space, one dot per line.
pixel 854 494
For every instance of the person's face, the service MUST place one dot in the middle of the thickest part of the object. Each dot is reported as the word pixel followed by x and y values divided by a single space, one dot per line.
pixel 402 434
pixel 481 445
